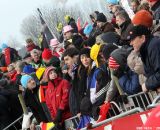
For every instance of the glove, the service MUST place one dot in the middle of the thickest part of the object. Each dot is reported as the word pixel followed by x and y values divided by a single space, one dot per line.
pixel 122 99
pixel 58 116
pixel 26 121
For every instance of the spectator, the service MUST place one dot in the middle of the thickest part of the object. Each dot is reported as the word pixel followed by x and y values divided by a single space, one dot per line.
pixel 134 5
pixel 155 7
pixel 124 23
pixel 31 98
pixel 58 100
pixel 148 46
pixel 69 34
pixel 49 59
pixel 30 45
pixel 36 59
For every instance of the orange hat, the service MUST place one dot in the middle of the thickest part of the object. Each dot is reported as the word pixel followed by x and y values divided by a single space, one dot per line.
pixel 152 0
pixel 144 18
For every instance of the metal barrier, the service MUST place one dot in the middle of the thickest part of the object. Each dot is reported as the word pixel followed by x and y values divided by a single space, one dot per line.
pixel 72 123
pixel 135 110
pixel 15 124
pixel 155 102
pixel 141 100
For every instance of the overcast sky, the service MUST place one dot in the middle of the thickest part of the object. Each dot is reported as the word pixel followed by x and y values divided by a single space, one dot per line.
pixel 12 12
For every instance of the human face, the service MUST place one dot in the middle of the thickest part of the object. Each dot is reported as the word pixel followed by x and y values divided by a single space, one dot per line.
pixel 119 20
pixel 110 6
pixel 137 42
pixel 52 75
pixel 35 57
pixel 86 61
pixel 134 6
pixel 99 24
pixel 31 84
pixel 68 61
pixel 68 35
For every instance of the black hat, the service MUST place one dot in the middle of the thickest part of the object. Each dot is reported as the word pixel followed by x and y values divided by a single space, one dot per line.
pixel 85 51
pixel 108 49
pixel 101 18
pixel 110 37
pixel 138 31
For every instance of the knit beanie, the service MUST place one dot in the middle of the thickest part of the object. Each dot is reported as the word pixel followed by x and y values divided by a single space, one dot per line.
pixel 143 17
pixel 94 53
pixel 85 51
pixel 88 29
pixel 120 56
pixel 47 54
pixel 113 2
pixel 4 46
pixel 113 63
pixel 108 49
pixel 24 80
pixel 101 18
pixel 28 69
pixel 110 37
pixel 152 0
pixel 48 69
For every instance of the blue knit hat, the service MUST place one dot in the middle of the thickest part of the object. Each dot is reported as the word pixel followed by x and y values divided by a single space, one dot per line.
pixel 88 29
pixel 28 69
pixel 4 46
pixel 24 80
pixel 113 2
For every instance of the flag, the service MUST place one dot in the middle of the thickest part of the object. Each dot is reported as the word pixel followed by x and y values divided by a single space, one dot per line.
pixel 47 126
pixel 46 34
pixel 84 121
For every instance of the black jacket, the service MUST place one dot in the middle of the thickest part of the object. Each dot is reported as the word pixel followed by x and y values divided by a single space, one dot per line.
pixel 156 10
pixel 32 101
pixel 150 54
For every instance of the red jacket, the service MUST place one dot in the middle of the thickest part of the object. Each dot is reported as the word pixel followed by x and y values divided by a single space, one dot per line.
pixel 57 97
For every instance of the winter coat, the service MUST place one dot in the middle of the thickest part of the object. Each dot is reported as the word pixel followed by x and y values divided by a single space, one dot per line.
pixel 97 79
pixel 135 64
pixel 156 10
pixel 32 101
pixel 78 90
pixel 125 29
pixel 37 64
pixel 57 97
pixel 150 55
pixel 8 56
pixel 129 82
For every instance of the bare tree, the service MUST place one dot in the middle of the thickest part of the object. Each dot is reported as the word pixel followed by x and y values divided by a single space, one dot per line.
pixel 31 27
pixel 53 14
pixel 13 42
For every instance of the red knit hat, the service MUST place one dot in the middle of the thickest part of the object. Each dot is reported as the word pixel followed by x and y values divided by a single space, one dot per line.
pixel 113 63
pixel 152 0
pixel 48 69
pixel 47 54
pixel 143 17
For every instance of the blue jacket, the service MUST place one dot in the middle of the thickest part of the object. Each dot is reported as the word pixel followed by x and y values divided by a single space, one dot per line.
pixel 129 82
pixel 150 54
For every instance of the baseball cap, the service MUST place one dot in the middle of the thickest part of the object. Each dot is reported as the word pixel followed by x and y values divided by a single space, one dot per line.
pixel 138 30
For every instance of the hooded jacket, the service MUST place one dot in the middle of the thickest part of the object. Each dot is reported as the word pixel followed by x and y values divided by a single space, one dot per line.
pixel 57 97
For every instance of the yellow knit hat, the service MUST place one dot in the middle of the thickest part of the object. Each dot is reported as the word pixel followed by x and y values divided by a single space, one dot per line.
pixel 67 18
pixel 94 52
pixel 40 72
